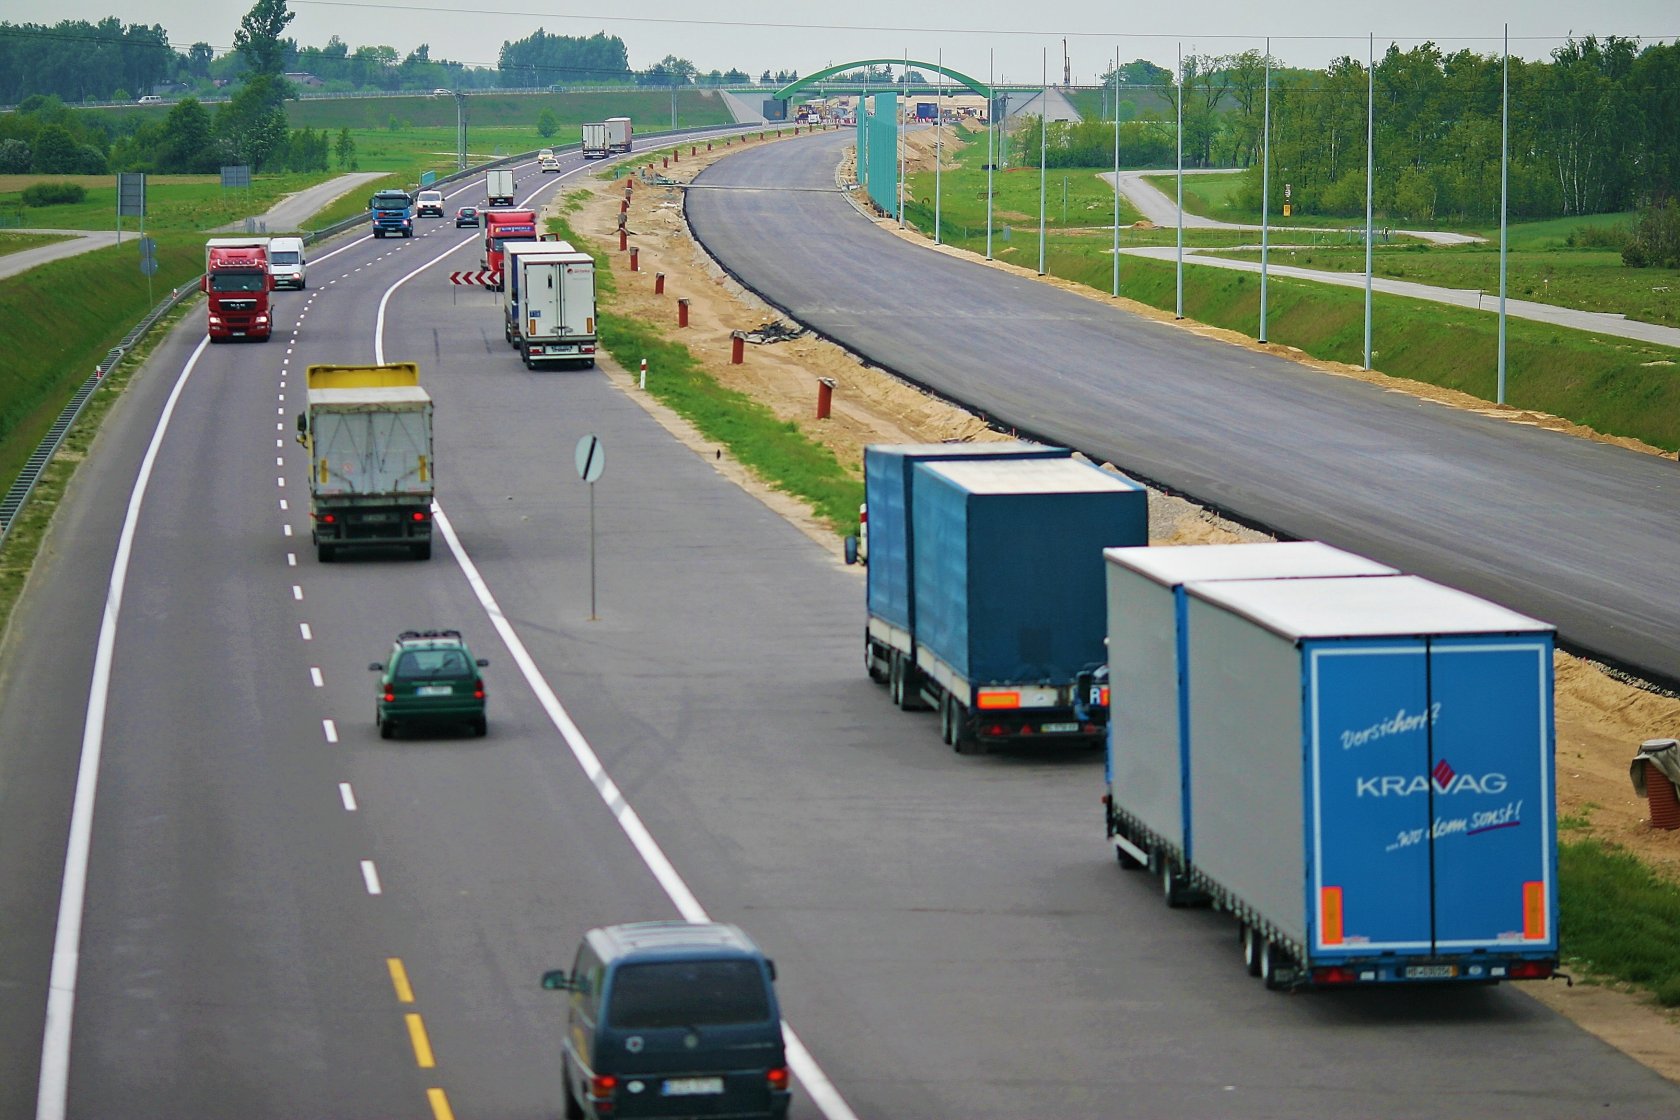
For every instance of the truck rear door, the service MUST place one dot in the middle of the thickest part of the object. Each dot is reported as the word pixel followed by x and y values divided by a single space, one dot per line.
pixel 1429 795
pixel 372 452
pixel 577 314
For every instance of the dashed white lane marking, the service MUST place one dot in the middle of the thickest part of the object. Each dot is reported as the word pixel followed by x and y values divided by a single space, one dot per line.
pixel 370 876
pixel 330 730
pixel 297 593
pixel 282 505
pixel 278 461
pixel 279 427
pixel 315 676
pixel 348 796
pixel 287 529
pixel 281 481
pixel 303 629
pixel 279 443
pixel 291 559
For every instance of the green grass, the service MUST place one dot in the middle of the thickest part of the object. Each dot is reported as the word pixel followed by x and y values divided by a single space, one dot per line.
pixel 55 335
pixel 1089 201
pixel 1618 919
pixel 173 202
pixel 774 449
pixel 1587 279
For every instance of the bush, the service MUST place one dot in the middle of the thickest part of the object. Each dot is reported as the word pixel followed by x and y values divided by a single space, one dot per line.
pixel 54 194
pixel 1600 237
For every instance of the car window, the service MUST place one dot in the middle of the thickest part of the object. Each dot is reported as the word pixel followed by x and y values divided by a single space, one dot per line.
pixel 285 256
pixel 236 282
pixel 431 664
pixel 688 994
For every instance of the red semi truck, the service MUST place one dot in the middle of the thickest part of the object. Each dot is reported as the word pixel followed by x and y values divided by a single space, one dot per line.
pixel 501 226
pixel 237 282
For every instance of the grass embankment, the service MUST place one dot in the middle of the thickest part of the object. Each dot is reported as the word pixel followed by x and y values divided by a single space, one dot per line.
pixel 18 242
pixel 1614 385
pixel 776 450
pixel 1620 919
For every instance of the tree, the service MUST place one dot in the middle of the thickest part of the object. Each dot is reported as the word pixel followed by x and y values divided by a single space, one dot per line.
pixel 547 124
pixel 198 60
pixel 55 151
pixel 258 38
pixel 253 124
pixel 187 144
pixel 14 157
pixel 345 149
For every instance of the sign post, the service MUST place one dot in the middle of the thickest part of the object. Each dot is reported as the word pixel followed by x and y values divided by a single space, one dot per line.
pixel 591 459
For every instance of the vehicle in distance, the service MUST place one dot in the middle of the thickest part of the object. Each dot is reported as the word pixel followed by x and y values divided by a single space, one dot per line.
pixel 466 216
pixel 547 164
pixel 429 204
pixel 671 1019
pixel 430 677
pixel 498 187
pixel 392 212
pixel 287 262
pixel 595 140
pixel 237 282
pixel 150 99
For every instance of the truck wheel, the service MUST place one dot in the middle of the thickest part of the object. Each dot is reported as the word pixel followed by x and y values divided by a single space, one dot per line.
pixel 870 664
pixel 1127 861
pixel 1273 961
pixel 379 235
pixel 421 551
pixel 525 355
pixel 895 679
pixel 1251 940
pixel 324 553
pixel 947 727
pixel 1172 884
pixel 961 739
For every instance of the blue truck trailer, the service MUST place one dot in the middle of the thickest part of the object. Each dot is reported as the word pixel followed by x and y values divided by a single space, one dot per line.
pixel 1007 579
pixel 1371 780
pixel 1147 800
pixel 889 647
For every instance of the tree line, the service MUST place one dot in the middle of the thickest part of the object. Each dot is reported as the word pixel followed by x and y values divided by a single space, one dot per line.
pixel 1593 129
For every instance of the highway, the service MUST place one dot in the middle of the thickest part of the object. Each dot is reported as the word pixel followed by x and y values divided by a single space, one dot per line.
pixel 952 934
pixel 1578 533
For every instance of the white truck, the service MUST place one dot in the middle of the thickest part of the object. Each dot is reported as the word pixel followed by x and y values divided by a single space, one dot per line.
pixel 498 186
pixel 368 431
pixel 548 303
pixel 595 140
pixel 618 134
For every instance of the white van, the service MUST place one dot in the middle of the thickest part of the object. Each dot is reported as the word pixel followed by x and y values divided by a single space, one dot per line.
pixel 286 262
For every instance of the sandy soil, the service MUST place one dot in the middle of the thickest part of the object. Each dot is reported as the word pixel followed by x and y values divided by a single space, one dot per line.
pixel 1601 720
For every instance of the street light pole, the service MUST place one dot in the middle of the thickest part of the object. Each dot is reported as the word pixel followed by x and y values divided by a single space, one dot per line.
pixel 460 124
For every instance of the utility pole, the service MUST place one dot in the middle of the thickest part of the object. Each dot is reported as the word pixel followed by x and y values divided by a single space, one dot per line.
pixel 1067 67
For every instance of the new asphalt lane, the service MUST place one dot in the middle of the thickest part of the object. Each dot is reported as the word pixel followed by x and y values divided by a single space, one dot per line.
pixel 953 936
pixel 1577 533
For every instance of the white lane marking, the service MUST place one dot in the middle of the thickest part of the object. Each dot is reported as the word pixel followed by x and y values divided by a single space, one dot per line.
pixel 282 505
pixel 330 730
pixel 278 461
pixel 280 481
pixel 280 411
pixel 287 529
pixel 54 1084
pixel 282 395
pixel 370 876
pixel 315 676
pixel 291 559
pixel 348 796
pixel 297 593
pixel 305 632
pixel 280 443
pixel 817 1085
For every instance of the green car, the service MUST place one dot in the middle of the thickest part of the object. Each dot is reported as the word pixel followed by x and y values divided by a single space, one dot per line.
pixel 430 677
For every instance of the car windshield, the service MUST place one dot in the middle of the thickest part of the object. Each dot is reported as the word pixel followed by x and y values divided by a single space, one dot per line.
pixel 432 664
pixel 284 257
pixel 688 994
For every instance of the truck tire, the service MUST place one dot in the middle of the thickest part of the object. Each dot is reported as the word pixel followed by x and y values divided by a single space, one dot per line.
pixel 421 551
pixel 1251 948
pixel 525 356
pixel 1173 887
pixel 1273 961
pixel 379 235
pixel 907 693
pixel 870 664
pixel 1127 861
pixel 324 553
pixel 895 679
pixel 962 740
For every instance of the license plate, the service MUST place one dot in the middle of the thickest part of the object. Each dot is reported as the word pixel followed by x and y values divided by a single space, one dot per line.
pixel 693 1087
pixel 1432 971
pixel 378 518
pixel 435 690
pixel 1053 728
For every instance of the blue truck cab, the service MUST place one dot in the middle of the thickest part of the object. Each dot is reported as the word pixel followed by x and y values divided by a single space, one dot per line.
pixel 392 212
pixel 672 1019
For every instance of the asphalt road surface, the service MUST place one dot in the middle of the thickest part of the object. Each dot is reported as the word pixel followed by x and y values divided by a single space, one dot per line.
pixel 1577 533
pixel 952 934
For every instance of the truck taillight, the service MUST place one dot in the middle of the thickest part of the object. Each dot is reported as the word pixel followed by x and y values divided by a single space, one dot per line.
pixel 327 518
pixel 989 700
pixel 601 1086
pixel 419 515
pixel 1530 970
pixel 777 1078
pixel 1335 975
pixel 1102 696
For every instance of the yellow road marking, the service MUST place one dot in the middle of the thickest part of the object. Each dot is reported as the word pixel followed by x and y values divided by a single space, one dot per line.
pixel 399 979
pixel 440 1105
pixel 422 1046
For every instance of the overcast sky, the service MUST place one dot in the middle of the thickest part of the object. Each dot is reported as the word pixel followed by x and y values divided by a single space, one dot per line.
pixel 758 35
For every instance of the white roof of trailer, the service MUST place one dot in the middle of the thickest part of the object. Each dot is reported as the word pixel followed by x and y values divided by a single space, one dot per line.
pixel 960 450
pixel 373 394
pixel 1030 476
pixel 1341 607
pixel 1172 565
pixel 521 248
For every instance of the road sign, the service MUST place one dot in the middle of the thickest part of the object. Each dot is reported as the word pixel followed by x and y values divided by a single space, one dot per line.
pixel 427 178
pixel 148 248
pixel 236 176
pixel 149 265
pixel 489 277
pixel 591 458
pixel 131 194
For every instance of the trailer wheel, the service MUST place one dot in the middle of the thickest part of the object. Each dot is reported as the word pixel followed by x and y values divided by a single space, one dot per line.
pixel 1273 961
pixel 947 721
pixel 895 679
pixel 1127 861
pixel 1173 889
pixel 961 740
pixel 525 354
pixel 1251 948
pixel 324 553
pixel 870 664
pixel 902 681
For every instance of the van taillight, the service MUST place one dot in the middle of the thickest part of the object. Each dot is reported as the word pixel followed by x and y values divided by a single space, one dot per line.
pixel 601 1086
pixel 778 1079
pixel 1530 970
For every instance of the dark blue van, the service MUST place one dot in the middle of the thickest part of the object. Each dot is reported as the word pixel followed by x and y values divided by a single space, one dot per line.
pixel 672 1019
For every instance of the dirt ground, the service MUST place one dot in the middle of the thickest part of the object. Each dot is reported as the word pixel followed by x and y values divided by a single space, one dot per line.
pixel 1600 720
